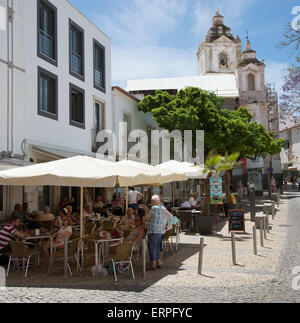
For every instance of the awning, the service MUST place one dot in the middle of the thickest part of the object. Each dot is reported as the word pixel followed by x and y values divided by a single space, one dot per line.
pixel 12 163
pixel 45 154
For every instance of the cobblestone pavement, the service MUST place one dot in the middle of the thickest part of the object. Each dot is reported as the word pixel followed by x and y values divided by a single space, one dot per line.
pixel 181 284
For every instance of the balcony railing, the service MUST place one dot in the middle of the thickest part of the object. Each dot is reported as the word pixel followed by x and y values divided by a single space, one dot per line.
pixel 99 78
pixel 46 44
pixel 76 63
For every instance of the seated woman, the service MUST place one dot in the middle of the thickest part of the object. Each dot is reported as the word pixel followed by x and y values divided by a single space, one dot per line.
pixel 98 205
pixel 88 212
pixel 138 232
pixel 117 201
pixel 58 219
pixel 58 239
pixel 74 220
pixel 126 222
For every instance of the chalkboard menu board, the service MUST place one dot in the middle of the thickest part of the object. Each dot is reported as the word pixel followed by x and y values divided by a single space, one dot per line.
pixel 236 221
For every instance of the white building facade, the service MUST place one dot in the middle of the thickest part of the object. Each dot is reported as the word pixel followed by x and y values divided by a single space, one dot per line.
pixel 55 87
pixel 290 156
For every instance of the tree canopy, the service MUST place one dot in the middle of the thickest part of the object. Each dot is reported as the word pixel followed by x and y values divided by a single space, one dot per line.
pixel 226 131
pixel 290 99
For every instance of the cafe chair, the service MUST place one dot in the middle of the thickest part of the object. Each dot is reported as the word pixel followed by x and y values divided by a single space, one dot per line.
pixel 47 225
pixel 89 228
pixel 123 256
pixel 110 225
pixel 176 234
pixel 73 253
pixel 21 250
pixel 166 240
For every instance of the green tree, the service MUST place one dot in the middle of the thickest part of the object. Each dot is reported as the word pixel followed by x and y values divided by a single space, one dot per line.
pixel 226 131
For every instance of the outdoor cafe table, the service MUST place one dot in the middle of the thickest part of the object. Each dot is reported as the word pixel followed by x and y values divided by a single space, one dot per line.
pixel 41 238
pixel 193 214
pixel 98 243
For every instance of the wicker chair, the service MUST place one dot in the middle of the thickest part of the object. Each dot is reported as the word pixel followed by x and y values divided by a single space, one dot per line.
pixel 124 255
pixel 110 225
pixel 73 253
pixel 47 225
pixel 167 237
pixel 21 250
pixel 89 228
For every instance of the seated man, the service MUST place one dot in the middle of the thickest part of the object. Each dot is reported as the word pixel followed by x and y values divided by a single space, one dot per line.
pixel 193 200
pixel 34 221
pixel 186 205
pixel 46 216
pixel 98 205
pixel 9 232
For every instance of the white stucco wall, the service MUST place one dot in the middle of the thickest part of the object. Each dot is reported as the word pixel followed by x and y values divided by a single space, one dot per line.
pixel 294 147
pixel 122 104
pixel 27 124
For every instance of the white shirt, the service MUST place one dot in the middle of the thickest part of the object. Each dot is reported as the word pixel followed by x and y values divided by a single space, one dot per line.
pixel 132 197
pixel 186 205
pixel 167 219
pixel 192 202
pixel 63 231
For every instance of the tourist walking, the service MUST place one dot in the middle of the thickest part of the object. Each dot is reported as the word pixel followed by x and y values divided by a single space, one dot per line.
pixel 240 190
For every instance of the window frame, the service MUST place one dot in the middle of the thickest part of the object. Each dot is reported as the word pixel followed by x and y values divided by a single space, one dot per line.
pixel 252 75
pixel 82 91
pixel 54 77
pixel 97 44
pixel 53 61
pixel 72 24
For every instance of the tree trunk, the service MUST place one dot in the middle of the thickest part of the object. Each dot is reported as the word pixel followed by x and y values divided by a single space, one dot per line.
pixel 206 206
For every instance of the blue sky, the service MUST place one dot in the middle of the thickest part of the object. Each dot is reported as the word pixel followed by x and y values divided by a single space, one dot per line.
pixel 160 38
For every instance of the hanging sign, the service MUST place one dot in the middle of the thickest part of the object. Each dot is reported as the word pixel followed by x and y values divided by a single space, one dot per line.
pixel 216 190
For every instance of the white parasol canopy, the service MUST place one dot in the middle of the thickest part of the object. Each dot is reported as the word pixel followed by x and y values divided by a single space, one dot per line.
pixel 189 170
pixel 80 171
pixel 164 175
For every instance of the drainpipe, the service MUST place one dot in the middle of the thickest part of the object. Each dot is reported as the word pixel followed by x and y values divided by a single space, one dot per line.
pixel 12 76
pixel 7 78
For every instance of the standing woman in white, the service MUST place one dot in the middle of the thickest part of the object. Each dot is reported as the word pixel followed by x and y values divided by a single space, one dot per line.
pixel 133 198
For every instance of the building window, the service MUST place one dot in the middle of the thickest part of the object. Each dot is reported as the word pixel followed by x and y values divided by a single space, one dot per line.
pixel 287 144
pixel 99 66
pixel 76 51
pixel 223 60
pixel 99 116
pixel 77 107
pixel 251 82
pixel 47 31
pixel 47 94
pixel 98 124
